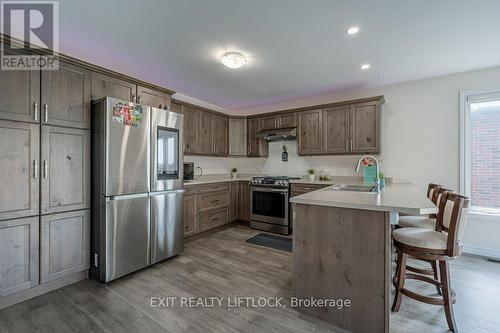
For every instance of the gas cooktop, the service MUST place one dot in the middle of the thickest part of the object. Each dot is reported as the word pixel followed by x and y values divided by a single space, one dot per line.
pixel 275 181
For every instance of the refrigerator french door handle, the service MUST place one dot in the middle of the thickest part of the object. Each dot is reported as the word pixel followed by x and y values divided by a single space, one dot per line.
pixel 35 169
pixel 35 111
pixel 45 169
pixel 45 113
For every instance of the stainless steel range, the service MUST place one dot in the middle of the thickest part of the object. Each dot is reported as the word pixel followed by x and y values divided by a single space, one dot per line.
pixel 269 204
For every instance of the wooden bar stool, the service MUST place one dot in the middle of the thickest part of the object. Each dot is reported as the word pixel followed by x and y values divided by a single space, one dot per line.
pixel 426 222
pixel 441 246
pixel 429 222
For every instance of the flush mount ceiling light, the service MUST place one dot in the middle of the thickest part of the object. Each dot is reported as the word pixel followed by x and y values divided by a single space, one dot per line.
pixel 233 60
pixel 365 67
pixel 352 30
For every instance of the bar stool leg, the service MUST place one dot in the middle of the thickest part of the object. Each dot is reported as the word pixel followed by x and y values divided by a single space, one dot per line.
pixel 400 281
pixel 447 296
pixel 434 265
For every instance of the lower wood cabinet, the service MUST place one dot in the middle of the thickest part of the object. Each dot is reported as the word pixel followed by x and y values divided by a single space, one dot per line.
pixel 189 215
pixel 64 244
pixel 19 241
pixel 298 189
pixel 212 219
pixel 244 200
pixel 212 205
pixel 234 199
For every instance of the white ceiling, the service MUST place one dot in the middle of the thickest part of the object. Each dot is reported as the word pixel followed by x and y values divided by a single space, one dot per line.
pixel 297 48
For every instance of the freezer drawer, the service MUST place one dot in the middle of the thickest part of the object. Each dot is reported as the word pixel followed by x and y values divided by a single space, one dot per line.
pixel 127 235
pixel 167 237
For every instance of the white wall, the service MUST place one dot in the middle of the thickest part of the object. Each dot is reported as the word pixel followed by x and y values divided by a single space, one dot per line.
pixel 420 137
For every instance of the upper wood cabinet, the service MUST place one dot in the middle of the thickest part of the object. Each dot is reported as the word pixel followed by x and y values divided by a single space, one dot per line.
pixel 282 120
pixel 267 123
pixel 336 130
pixel 220 133
pixel 66 96
pixel 347 128
pixel 190 128
pixel 175 107
pixel 20 95
pixel 310 132
pixel 256 147
pixel 365 128
pixel 205 139
pixel 154 98
pixel 103 86
pixel 19 165
pixel 237 136
pixel 65 169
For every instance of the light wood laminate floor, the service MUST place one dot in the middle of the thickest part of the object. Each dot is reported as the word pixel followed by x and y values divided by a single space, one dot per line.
pixel 223 265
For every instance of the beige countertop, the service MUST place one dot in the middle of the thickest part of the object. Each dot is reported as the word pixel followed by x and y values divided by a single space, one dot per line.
pixel 399 197
pixel 210 179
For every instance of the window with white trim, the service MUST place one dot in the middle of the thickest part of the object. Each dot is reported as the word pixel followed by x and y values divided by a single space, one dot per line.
pixel 480 149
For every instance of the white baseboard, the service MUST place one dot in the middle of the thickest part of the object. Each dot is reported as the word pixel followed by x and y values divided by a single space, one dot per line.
pixel 481 251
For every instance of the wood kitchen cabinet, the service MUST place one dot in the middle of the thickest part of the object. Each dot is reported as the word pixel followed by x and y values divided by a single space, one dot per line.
pixel 19 165
pixel 190 128
pixel 175 107
pixel 65 99
pixel 336 130
pixel 244 200
pixel 234 198
pixel 64 244
pixel 20 95
pixel 103 85
pixel 205 137
pixel 282 120
pixel 65 169
pixel 256 147
pixel 189 215
pixel 237 136
pixel 19 253
pixel 154 98
pixel 220 133
pixel 365 128
pixel 310 132
pixel 343 128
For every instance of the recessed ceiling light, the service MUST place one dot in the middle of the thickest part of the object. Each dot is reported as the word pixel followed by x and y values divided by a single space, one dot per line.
pixel 365 67
pixel 233 60
pixel 352 30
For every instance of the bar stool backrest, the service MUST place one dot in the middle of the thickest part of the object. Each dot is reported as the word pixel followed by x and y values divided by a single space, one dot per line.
pixel 452 218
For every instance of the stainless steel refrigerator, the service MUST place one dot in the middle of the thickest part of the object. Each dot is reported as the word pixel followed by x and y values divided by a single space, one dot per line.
pixel 137 187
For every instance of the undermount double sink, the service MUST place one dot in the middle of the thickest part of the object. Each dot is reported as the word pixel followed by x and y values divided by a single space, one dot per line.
pixel 354 188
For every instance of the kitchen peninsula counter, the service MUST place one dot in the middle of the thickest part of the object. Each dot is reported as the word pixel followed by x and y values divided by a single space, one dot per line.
pixel 342 250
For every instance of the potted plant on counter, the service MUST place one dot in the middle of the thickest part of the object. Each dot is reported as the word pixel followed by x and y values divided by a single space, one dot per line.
pixel 234 173
pixel 311 174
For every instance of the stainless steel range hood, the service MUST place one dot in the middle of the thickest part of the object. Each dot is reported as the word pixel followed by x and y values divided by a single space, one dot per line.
pixel 278 134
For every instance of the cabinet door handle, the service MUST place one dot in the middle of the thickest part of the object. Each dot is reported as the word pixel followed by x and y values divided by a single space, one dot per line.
pixel 45 113
pixel 139 98
pixel 133 98
pixel 351 145
pixel 35 169
pixel 45 169
pixel 35 111
pixel 160 106
pixel 346 145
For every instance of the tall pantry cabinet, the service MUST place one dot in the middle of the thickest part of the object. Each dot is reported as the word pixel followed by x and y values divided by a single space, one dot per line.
pixel 45 176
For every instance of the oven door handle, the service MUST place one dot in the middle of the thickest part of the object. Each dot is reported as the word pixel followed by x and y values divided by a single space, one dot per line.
pixel 264 189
